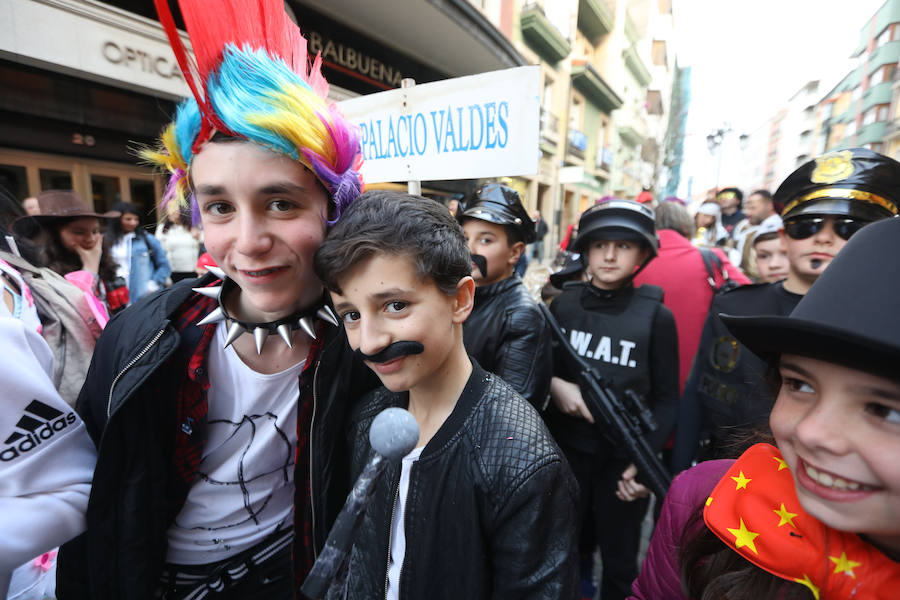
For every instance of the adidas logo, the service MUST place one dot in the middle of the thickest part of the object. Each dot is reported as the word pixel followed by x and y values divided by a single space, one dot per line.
pixel 39 423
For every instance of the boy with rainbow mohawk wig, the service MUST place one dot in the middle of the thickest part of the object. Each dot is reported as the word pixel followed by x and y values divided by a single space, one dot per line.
pixel 219 405
pixel 251 80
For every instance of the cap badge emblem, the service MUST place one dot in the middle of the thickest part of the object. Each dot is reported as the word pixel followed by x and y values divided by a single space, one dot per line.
pixel 833 167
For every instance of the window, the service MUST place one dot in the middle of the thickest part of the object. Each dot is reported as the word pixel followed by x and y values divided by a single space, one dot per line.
pixel 548 94
pixel 876 77
pixel 869 116
pixel 875 147
pixel 52 179
pixel 659 53
pixel 883 112
pixel 15 179
pixel 575 114
pixel 882 74
pixel 851 128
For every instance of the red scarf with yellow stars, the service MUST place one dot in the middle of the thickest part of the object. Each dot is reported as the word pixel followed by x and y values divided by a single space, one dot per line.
pixel 754 509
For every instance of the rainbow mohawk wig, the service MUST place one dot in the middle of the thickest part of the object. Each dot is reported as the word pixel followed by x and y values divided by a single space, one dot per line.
pixel 251 78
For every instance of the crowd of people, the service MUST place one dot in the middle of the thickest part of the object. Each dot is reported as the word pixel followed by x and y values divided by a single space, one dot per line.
pixel 186 411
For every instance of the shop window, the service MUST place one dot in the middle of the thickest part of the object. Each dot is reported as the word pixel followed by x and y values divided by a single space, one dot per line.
pixel 55 180
pixel 105 192
pixel 143 194
pixel 14 179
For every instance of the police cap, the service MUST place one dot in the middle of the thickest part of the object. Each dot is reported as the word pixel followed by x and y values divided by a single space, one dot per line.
pixel 856 183
pixel 500 204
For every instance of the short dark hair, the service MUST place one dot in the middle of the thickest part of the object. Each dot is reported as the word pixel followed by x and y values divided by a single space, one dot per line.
pixel 386 222
pixel 513 232
pixel 764 194
pixel 736 191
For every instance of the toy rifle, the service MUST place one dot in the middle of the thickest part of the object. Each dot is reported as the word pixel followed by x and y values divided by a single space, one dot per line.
pixel 624 422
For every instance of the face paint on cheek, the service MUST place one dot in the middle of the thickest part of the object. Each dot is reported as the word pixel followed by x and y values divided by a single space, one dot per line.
pixel 394 351
pixel 480 262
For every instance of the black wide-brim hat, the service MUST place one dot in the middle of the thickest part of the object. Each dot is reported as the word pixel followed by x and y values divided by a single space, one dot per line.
pixel 848 317
pixel 855 183
pixel 500 204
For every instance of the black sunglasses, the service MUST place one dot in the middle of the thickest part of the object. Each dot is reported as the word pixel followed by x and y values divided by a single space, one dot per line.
pixel 802 228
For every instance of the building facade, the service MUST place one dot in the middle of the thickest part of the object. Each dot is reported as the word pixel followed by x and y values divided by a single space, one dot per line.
pixel 606 77
pixel 858 111
pixel 87 82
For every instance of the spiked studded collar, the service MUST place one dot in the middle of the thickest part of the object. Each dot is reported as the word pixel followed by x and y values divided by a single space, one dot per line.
pixel 284 327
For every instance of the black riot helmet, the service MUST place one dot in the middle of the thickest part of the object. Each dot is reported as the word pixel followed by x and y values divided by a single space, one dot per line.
pixel 855 183
pixel 617 219
pixel 500 204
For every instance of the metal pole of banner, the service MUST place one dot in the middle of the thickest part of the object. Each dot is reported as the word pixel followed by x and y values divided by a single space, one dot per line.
pixel 414 187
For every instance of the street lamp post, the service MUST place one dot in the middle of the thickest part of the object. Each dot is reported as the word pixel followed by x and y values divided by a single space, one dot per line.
pixel 714 143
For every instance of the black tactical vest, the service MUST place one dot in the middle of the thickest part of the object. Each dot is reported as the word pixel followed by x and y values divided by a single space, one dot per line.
pixel 615 343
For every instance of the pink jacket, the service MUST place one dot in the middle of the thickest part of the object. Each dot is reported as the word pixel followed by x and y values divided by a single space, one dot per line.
pixel 680 272
pixel 84 280
pixel 660 577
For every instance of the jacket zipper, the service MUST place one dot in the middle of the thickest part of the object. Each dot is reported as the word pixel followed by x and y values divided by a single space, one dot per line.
pixel 130 364
pixel 312 428
pixel 390 532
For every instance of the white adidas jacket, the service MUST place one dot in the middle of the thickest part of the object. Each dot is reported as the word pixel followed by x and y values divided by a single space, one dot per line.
pixel 46 456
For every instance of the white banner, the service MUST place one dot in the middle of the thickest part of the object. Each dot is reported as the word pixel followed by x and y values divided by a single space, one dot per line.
pixel 484 125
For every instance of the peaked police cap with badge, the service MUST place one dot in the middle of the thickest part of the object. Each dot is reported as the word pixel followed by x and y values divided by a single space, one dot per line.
pixel 856 183
pixel 500 204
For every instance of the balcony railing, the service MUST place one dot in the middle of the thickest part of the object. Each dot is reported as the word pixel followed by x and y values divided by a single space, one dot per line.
pixel 604 159
pixel 595 18
pixel 636 66
pixel 549 127
pixel 577 143
pixel 589 82
pixel 542 35
pixel 630 135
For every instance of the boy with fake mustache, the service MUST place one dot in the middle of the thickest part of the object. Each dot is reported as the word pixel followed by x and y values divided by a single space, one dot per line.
pixel 484 507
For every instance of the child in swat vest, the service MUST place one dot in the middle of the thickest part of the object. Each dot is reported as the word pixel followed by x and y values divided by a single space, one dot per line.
pixel 630 338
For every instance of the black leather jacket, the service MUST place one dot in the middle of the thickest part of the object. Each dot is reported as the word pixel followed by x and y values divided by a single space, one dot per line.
pixel 491 507
pixel 507 334
pixel 121 555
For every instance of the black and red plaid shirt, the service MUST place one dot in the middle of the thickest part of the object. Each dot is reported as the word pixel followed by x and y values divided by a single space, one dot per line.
pixel 190 419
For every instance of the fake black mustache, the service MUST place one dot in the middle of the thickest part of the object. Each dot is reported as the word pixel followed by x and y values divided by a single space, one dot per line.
pixel 395 350
pixel 481 263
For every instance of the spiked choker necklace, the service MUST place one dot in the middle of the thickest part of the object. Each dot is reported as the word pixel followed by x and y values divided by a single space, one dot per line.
pixel 284 327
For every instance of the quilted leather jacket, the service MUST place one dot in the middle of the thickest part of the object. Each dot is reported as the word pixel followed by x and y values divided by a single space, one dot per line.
pixel 490 511
pixel 507 334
